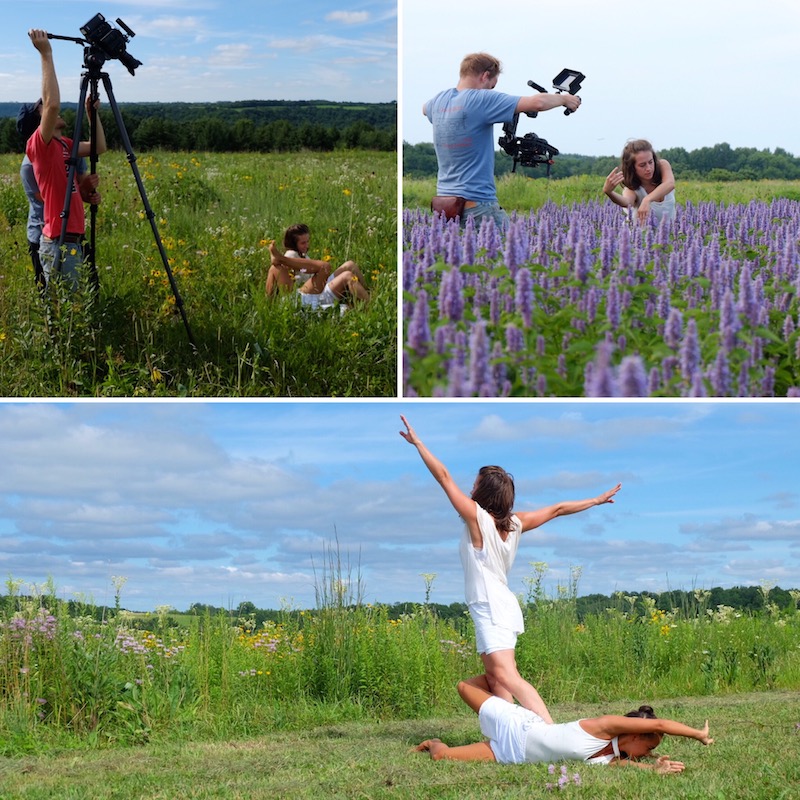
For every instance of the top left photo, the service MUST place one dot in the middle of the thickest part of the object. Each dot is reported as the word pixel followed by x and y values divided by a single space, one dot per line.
pixel 199 200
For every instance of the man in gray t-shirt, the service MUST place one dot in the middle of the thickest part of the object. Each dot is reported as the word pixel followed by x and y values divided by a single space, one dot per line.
pixel 463 129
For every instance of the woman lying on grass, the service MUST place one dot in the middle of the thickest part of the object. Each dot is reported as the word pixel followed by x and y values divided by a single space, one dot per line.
pixel 519 736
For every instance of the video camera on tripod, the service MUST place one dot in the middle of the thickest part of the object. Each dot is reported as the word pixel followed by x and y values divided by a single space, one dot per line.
pixel 531 150
pixel 103 41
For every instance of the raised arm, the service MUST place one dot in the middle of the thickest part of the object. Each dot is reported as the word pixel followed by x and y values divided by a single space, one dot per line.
pixel 51 94
pixel 463 504
pixel 85 148
pixel 533 519
pixel 612 181
pixel 544 102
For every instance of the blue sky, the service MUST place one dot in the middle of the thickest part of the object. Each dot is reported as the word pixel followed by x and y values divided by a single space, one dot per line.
pixel 209 50
pixel 231 501
pixel 681 74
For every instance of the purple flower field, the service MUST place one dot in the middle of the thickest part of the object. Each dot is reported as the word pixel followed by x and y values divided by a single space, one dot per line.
pixel 579 301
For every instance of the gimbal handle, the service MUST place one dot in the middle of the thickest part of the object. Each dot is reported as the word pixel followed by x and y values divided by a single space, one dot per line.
pixel 538 88
pixel 67 38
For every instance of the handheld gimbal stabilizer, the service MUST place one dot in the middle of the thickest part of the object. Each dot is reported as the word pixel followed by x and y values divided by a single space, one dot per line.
pixel 102 41
pixel 531 150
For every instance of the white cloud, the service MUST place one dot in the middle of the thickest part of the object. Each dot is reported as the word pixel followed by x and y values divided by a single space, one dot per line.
pixel 231 55
pixel 348 17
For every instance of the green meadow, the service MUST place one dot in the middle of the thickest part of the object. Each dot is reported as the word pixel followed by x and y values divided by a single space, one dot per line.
pixel 104 703
pixel 520 193
pixel 215 214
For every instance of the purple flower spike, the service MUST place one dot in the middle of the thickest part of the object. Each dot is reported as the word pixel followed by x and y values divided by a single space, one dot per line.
pixel 632 377
pixel 690 352
pixel 524 296
pixel 673 330
pixel 613 305
pixel 600 380
pixel 419 332
pixel 480 371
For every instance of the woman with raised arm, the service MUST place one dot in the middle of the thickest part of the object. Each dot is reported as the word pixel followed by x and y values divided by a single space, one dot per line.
pixel 648 185
pixel 519 736
pixel 488 547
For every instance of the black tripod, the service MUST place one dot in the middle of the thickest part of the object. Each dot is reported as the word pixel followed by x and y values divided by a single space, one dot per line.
pixel 93 60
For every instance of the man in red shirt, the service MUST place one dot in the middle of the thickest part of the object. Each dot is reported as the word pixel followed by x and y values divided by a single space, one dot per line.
pixel 49 151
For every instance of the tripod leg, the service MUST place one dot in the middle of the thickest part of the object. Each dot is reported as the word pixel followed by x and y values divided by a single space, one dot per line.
pixel 90 251
pixel 147 208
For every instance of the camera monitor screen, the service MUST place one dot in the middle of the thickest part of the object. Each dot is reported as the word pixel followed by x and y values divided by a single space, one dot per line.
pixel 568 80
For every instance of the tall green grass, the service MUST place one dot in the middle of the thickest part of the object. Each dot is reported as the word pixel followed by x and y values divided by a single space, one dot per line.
pixel 78 681
pixel 520 193
pixel 216 215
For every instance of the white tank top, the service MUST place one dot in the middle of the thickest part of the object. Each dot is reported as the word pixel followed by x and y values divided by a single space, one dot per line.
pixel 568 741
pixel 663 208
pixel 486 571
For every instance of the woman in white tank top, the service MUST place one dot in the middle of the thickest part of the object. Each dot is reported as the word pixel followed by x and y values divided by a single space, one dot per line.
pixel 518 736
pixel 648 185
pixel 488 547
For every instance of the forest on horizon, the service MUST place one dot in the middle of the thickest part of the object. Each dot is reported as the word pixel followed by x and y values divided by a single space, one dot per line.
pixel 235 126
pixel 720 162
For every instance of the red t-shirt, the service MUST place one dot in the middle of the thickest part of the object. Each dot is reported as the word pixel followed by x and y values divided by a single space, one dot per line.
pixel 51 167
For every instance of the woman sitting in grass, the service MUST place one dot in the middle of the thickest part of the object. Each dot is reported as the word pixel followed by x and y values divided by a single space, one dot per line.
pixel 519 736
pixel 318 286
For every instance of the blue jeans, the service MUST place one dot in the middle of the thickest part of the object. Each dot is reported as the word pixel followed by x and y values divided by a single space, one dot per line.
pixel 484 210
pixel 71 260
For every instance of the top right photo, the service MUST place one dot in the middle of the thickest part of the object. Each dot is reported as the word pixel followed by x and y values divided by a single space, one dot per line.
pixel 601 200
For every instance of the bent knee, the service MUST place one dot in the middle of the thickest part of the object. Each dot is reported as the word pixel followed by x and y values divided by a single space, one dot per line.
pixel 502 673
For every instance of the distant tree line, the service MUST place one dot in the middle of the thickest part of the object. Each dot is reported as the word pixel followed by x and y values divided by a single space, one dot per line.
pixel 267 126
pixel 718 163
pixel 744 599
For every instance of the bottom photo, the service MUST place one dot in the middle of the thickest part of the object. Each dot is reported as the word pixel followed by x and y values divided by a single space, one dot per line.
pixel 305 599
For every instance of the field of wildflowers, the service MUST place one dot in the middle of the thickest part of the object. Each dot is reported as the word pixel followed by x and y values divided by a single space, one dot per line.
pixel 71 675
pixel 577 300
pixel 216 215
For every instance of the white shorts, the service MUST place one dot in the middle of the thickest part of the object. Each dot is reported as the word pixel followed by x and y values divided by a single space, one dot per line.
pixel 489 637
pixel 506 726
pixel 325 299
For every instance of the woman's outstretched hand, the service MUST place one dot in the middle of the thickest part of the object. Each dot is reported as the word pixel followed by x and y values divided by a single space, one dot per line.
pixel 614 179
pixel 608 497
pixel 409 434
pixel 665 765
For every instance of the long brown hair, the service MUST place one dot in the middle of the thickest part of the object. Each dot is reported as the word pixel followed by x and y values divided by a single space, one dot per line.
pixel 629 153
pixel 494 492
